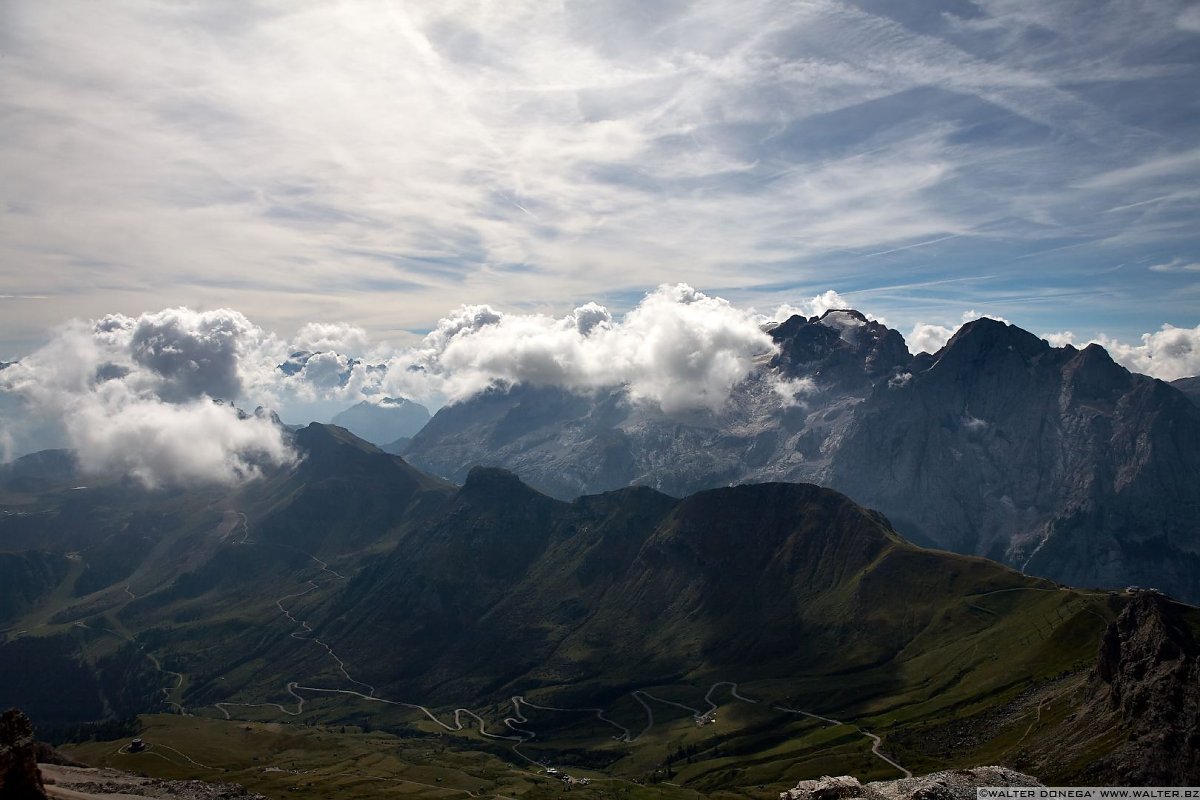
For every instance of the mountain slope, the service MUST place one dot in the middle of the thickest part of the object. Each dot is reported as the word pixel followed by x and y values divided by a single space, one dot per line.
pixel 1190 387
pixel 99 573
pixel 634 586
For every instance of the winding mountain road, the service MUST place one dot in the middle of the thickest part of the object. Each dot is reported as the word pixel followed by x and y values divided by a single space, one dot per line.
pixel 876 742
pixel 519 736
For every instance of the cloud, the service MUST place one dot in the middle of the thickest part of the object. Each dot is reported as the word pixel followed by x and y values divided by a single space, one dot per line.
pixel 1176 265
pixel 928 338
pixel 191 353
pixel 1168 353
pixel 136 396
pixel 813 307
pixel 678 348
pixel 139 394
pixel 1060 338
pixel 341 337
pixel 378 164
pixel 161 443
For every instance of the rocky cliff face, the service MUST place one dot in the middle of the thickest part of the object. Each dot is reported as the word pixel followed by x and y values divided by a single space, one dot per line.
pixel 1147 681
pixel 1055 460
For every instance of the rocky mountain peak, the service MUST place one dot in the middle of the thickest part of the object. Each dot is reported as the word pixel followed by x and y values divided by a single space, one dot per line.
pixel 986 339
pixel 843 316
pixel 323 439
pixel 839 347
pixel 1092 374
pixel 488 484
pixel 383 420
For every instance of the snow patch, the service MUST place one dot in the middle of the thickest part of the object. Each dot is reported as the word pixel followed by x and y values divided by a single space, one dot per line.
pixel 846 323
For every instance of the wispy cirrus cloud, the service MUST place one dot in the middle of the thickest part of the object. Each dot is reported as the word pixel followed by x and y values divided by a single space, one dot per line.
pixel 378 162
pixel 1176 265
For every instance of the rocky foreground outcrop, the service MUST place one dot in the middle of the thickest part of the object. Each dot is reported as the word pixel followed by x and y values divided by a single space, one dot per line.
pixel 74 783
pixel 1147 681
pixel 19 775
pixel 958 784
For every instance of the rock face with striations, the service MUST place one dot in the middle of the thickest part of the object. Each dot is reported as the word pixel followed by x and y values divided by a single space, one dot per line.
pixel 1054 460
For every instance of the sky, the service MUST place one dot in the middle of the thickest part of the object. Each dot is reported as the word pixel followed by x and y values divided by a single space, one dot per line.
pixel 377 166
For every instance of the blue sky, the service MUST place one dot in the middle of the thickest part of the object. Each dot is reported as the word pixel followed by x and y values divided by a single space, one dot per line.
pixel 382 163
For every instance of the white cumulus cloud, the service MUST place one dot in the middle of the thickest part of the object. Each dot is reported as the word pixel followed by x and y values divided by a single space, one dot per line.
pixel 927 337
pixel 678 348
pixel 136 395
pixel 1168 353
pixel 341 337
pixel 813 307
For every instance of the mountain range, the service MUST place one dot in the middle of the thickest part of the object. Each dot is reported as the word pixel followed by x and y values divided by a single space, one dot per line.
pixel 1055 460
pixel 353 587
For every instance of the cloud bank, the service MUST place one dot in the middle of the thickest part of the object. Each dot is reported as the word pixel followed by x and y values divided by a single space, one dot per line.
pixel 678 349
pixel 1169 353
pixel 151 396
pixel 138 396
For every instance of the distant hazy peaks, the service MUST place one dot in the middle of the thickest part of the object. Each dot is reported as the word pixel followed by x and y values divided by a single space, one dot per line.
pixel 385 420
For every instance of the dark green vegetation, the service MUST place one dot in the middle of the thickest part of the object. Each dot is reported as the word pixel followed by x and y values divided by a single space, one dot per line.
pixel 355 591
